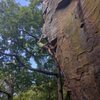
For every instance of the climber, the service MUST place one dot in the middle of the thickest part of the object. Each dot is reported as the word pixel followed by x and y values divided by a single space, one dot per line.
pixel 48 46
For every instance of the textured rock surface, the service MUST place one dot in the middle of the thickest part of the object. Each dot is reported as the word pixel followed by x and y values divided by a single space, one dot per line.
pixel 76 26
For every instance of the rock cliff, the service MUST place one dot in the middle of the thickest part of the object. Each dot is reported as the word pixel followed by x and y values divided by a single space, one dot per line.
pixel 75 25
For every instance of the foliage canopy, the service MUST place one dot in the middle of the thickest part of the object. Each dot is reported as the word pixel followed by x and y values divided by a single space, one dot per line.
pixel 20 27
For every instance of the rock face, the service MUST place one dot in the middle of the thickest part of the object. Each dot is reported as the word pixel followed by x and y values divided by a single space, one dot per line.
pixel 75 25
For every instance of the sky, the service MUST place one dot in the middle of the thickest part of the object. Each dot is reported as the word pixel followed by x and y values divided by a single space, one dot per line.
pixel 33 63
pixel 23 2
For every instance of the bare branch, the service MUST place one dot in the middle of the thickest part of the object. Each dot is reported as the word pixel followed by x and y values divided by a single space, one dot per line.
pixel 36 39
pixel 33 69
pixel 44 72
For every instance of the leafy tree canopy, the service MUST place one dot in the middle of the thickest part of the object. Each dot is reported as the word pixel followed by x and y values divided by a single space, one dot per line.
pixel 20 29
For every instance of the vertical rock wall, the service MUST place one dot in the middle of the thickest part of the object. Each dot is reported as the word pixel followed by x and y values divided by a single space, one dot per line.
pixel 76 26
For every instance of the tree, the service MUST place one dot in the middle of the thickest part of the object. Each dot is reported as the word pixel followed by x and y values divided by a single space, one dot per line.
pixel 20 29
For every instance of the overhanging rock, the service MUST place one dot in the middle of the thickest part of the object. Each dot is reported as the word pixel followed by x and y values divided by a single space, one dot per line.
pixel 76 26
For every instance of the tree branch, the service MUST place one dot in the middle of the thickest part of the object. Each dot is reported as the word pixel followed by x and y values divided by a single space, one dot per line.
pixel 36 39
pixel 4 92
pixel 7 54
pixel 33 69
pixel 10 96
pixel 44 72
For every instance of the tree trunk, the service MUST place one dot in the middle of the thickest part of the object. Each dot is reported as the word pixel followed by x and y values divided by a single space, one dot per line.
pixel 60 92
pixel 76 25
pixel 10 90
pixel 10 97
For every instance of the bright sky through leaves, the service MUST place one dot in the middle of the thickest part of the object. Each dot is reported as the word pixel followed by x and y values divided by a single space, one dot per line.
pixel 23 2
